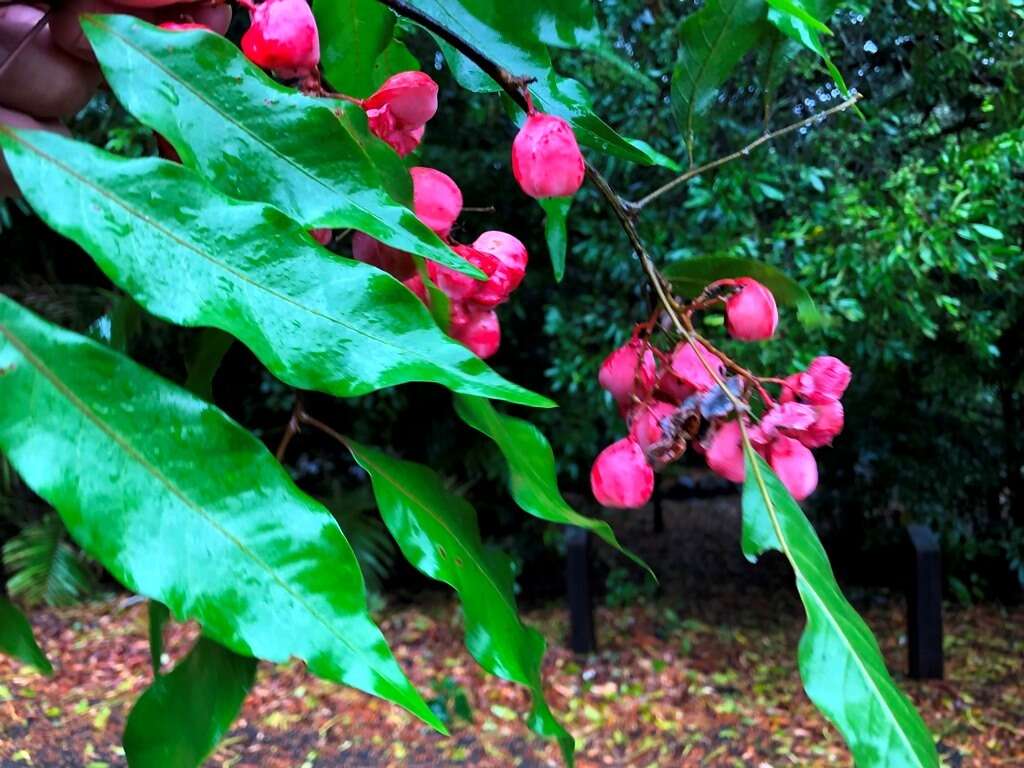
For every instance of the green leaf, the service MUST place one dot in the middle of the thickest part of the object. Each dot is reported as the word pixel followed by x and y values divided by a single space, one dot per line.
pixel 16 635
pixel 158 614
pixel 689 277
pixel 800 13
pixel 790 17
pixel 180 718
pixel 204 358
pixel 354 37
pixel 987 231
pixel 182 505
pixel 437 532
pixel 841 665
pixel 532 480
pixel 557 210
pixel 194 257
pixel 712 41
pixel 257 140
pixel 516 36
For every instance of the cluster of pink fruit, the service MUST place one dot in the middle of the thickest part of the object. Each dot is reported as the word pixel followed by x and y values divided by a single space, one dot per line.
pixel 689 397
pixel 546 161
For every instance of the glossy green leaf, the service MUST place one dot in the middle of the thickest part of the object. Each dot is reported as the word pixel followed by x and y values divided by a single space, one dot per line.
pixel 690 276
pixel 791 18
pixel 354 40
pixel 257 140
pixel 712 41
pixel 556 231
pixel 194 257
pixel 180 718
pixel 516 36
pixel 182 505
pixel 532 479
pixel 841 665
pixel 437 532
pixel 15 633
pixel 157 616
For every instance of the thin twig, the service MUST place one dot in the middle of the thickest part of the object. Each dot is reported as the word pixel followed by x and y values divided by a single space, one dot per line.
pixel 640 204
pixel 293 428
pixel 24 42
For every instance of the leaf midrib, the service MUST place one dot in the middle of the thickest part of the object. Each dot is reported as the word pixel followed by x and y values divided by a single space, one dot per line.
pixel 773 514
pixel 134 454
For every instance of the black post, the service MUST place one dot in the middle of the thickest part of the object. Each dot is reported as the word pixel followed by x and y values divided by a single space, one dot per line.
pixel 581 598
pixel 659 518
pixel 924 604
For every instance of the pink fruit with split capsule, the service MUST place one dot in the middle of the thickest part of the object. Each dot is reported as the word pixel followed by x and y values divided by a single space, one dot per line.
pixel 621 476
pixel 511 259
pixel 398 111
pixel 546 159
pixel 458 285
pixel 828 423
pixel 646 422
pixel 628 371
pixel 436 199
pixel 750 313
pixel 831 376
pixel 283 37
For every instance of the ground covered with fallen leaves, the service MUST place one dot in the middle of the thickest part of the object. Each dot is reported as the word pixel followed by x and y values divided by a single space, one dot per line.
pixel 663 690
pixel 703 673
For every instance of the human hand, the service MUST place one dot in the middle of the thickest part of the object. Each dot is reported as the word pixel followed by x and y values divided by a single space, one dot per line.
pixel 54 74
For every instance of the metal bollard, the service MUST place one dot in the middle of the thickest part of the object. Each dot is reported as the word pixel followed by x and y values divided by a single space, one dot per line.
pixel 924 604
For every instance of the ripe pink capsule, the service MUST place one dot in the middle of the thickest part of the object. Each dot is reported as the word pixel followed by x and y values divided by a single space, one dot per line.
pixel 827 424
pixel 512 259
pixel 283 37
pixel 409 97
pixel 480 331
pixel 689 368
pixel 645 420
pixel 724 455
pixel 673 389
pixel 621 476
pixel 415 284
pixel 546 159
pixel 398 111
pixel 457 285
pixel 393 261
pixel 787 418
pixel 794 463
pixel 628 371
pixel 322 236
pixel 436 199
pixel 831 376
pixel 750 313
pixel 183 26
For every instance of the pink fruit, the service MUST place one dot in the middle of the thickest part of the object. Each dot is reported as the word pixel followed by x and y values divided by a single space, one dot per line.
pixel 546 159
pixel 398 111
pixel 512 258
pixel 689 368
pixel 827 424
pixel 436 199
pixel 787 418
pixel 322 236
pixel 673 389
pixel 645 422
pixel 182 26
pixel 393 261
pixel 283 37
pixel 724 455
pixel 621 476
pixel 458 285
pixel 480 331
pixel 628 371
pixel 794 463
pixel 415 284
pixel 831 376
pixel 751 313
